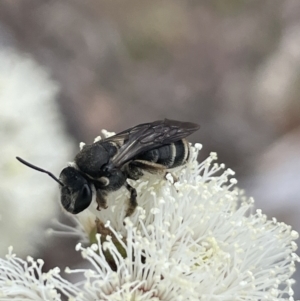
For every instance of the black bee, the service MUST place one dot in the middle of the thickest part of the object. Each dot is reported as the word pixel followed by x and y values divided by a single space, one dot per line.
pixel 106 165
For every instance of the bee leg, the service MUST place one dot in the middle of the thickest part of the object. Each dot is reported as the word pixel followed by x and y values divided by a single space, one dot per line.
pixel 101 200
pixel 133 172
pixel 132 202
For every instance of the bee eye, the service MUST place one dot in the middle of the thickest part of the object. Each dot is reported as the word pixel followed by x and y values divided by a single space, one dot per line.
pixel 85 192
pixel 84 199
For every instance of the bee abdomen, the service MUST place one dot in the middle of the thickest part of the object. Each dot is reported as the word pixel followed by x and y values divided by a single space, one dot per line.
pixel 182 152
pixel 170 155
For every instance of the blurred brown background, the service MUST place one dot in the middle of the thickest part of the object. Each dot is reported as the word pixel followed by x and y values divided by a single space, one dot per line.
pixel 231 66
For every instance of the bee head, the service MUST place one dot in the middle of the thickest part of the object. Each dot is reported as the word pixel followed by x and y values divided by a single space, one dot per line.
pixel 76 192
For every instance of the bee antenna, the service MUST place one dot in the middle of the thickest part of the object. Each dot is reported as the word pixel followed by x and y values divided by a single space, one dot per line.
pixel 41 170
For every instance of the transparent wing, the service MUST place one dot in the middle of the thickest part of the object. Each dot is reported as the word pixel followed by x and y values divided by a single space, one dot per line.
pixel 148 136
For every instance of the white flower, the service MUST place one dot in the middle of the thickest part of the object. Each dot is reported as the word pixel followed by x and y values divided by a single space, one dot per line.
pixel 30 127
pixel 191 238
pixel 24 280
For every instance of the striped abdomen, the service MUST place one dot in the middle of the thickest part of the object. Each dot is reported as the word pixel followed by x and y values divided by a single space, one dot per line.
pixel 170 155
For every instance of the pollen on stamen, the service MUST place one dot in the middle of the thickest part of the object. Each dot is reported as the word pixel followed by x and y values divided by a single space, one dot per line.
pixel 81 145
pixel 98 138
pixel 107 134
pixel 78 247
pixel 294 234
pixel 170 178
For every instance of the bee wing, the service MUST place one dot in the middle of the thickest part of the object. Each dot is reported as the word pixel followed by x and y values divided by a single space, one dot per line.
pixel 147 136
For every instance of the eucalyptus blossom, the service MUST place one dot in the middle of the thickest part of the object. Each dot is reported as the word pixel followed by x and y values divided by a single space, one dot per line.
pixel 194 236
